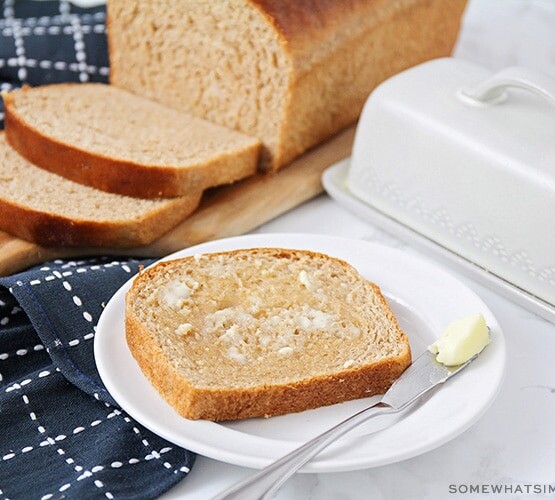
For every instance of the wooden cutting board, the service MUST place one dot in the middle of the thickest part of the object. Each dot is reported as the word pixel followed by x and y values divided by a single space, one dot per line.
pixel 225 211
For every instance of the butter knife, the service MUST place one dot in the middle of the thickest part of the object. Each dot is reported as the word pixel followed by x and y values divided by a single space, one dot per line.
pixel 424 374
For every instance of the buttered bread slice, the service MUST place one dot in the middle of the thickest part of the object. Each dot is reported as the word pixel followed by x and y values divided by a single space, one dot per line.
pixel 112 140
pixel 262 332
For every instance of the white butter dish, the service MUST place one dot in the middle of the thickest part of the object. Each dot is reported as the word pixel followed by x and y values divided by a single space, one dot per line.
pixel 467 160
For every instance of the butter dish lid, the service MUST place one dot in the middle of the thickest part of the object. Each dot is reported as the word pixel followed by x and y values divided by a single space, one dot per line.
pixel 466 157
pixel 468 100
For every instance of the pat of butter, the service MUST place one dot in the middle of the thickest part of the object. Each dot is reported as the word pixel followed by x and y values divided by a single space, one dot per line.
pixel 176 293
pixel 461 340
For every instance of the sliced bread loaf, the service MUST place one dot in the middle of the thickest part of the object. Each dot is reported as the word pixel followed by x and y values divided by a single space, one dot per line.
pixel 47 209
pixel 291 72
pixel 110 139
pixel 261 332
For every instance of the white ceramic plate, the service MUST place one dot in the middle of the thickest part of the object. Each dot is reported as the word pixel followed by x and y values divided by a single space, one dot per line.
pixel 424 298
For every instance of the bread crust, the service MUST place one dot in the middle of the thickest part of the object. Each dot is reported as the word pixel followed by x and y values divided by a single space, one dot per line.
pixel 120 176
pixel 265 400
pixel 49 229
pixel 312 21
pixel 347 68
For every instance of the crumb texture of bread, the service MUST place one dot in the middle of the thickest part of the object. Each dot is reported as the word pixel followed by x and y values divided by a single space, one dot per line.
pixel 50 210
pixel 113 140
pixel 262 332
pixel 289 72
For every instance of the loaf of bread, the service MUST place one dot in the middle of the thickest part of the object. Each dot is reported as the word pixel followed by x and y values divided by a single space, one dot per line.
pixel 50 210
pixel 290 72
pixel 112 140
pixel 261 332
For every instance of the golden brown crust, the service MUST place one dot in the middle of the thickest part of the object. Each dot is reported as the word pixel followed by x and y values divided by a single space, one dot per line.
pixel 50 229
pixel 387 39
pixel 313 20
pixel 340 51
pixel 238 403
pixel 323 19
pixel 115 175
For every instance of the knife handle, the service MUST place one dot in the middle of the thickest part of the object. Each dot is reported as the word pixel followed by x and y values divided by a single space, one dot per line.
pixel 266 482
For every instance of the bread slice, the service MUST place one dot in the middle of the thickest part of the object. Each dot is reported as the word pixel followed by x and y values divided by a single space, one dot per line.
pixel 110 139
pixel 291 72
pixel 47 209
pixel 261 332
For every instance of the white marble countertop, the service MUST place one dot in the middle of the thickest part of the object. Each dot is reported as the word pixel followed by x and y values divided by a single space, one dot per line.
pixel 513 444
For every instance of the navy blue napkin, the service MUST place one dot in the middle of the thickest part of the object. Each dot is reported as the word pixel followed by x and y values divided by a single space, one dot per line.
pixel 51 42
pixel 61 433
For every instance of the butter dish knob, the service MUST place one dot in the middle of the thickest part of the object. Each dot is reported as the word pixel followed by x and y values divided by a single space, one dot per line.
pixel 493 90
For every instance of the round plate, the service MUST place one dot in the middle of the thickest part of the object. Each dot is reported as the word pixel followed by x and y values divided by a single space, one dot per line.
pixel 423 297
